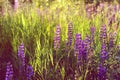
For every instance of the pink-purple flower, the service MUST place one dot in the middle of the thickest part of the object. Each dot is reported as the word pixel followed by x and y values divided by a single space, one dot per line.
pixel 101 72
pixel 70 33
pixel 57 37
pixel 9 71
pixel 16 4
pixel 29 72
pixel 103 34
pixel 77 44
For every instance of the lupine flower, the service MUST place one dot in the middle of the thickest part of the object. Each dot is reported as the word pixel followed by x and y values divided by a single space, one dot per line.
pixel 115 8
pixel 88 11
pixel 103 34
pixel 111 19
pixel 87 43
pixel 57 38
pixel 29 72
pixel 21 57
pixel 15 6
pixel 82 52
pixel 77 44
pixel 21 54
pixel 100 7
pixel 92 30
pixel 70 33
pixel 111 41
pixel 9 71
pixel 103 52
pixel 102 73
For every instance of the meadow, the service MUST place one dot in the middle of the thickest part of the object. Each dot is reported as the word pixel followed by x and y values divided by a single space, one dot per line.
pixel 60 40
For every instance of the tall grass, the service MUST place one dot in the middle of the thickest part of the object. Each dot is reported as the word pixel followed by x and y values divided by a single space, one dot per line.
pixel 37 32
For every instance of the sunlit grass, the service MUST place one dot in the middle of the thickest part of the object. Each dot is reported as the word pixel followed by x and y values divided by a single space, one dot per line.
pixel 37 32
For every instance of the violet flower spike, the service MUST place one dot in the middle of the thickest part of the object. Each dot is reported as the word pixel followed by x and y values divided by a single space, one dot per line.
pixel 103 53
pixel 111 41
pixel 9 71
pixel 83 51
pixel 29 72
pixel 103 34
pixel 70 33
pixel 87 43
pixel 57 38
pixel 77 44
pixel 102 73
pixel 92 30
pixel 21 54
pixel 21 58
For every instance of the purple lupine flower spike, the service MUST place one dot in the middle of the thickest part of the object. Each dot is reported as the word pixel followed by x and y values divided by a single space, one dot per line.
pixel 115 8
pixel 103 52
pixel 102 73
pixel 21 54
pixel 103 34
pixel 87 43
pixel 29 72
pixel 111 41
pixel 92 30
pixel 57 38
pixel 83 50
pixel 77 44
pixel 9 71
pixel 111 19
pixel 70 33
pixel 21 58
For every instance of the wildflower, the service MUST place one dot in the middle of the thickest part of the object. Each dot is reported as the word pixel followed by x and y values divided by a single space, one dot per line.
pixel 103 34
pixel 92 30
pixel 111 19
pixel 57 37
pixel 9 71
pixel 15 6
pixel 70 33
pixel 29 72
pixel 115 8
pixel 21 58
pixel 111 40
pixel 103 52
pixel 87 42
pixel 77 44
pixel 83 51
pixel 88 11
pixel 21 54
pixel 102 73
